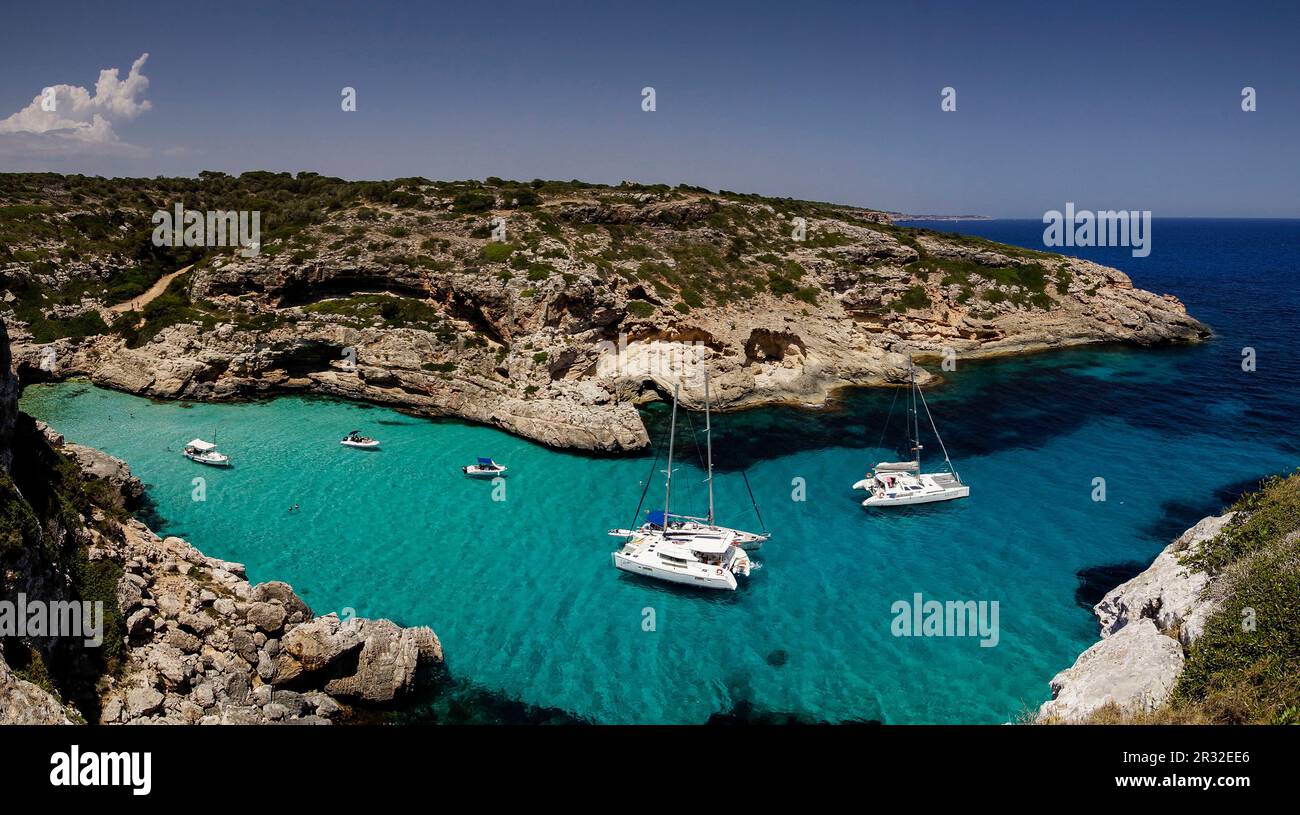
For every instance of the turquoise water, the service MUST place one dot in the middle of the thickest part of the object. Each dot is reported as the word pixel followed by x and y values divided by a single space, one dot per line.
pixel 525 600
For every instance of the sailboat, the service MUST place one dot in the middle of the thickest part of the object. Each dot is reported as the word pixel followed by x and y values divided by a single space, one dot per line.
pixel 900 483
pixel 709 561
pixel 681 527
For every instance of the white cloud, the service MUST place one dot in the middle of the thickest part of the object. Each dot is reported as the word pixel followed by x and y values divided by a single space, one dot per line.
pixel 81 121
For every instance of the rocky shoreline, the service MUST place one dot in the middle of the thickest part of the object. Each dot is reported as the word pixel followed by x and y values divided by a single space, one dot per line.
pixel 186 638
pixel 597 299
pixel 1147 624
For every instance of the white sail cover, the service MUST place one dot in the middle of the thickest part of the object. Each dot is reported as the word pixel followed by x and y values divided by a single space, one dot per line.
pixel 898 466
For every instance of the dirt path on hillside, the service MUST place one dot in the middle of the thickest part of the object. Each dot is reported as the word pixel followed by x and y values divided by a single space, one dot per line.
pixel 138 303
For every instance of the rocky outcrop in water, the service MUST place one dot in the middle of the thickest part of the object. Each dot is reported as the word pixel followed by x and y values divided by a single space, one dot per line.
pixel 1146 624
pixel 208 647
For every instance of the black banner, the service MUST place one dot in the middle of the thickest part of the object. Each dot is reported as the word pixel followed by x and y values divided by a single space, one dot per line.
pixel 299 765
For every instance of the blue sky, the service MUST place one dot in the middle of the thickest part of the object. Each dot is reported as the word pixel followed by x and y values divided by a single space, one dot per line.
pixel 1131 105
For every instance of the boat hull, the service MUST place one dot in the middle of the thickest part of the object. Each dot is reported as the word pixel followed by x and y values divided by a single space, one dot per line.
pixel 225 462
pixel 715 578
pixel 374 445
pixel 948 494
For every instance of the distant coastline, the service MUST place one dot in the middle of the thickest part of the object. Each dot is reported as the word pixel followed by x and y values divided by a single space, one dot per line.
pixel 902 216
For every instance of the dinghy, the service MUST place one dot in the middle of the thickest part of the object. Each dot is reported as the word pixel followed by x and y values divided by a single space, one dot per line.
pixel 485 468
pixel 205 452
pixel 355 439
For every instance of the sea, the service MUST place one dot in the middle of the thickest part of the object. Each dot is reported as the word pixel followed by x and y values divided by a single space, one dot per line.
pixel 1083 464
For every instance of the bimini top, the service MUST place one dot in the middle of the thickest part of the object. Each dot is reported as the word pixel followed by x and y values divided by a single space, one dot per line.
pixel 201 445
pixel 655 517
pixel 674 550
pixel 486 462
pixel 705 545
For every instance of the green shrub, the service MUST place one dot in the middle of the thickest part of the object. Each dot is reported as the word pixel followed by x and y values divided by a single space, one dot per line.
pixel 473 202
pixel 1250 673
pixel 913 298
pixel 640 308
pixel 497 252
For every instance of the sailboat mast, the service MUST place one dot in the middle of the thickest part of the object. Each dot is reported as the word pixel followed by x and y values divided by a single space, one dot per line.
pixel 708 441
pixel 672 434
pixel 916 419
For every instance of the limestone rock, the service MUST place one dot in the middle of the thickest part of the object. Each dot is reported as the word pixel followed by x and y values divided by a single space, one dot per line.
pixel 1135 668
pixel 142 702
pixel 1166 592
pixel 21 702
pixel 268 617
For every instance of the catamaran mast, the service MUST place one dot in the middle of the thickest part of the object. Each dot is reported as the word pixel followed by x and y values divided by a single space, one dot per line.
pixel 672 434
pixel 708 441
pixel 915 429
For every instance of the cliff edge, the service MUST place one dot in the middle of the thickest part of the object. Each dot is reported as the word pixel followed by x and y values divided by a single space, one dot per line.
pixel 185 638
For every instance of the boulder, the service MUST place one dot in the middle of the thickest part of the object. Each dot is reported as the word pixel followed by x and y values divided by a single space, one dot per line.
pixel 296 610
pixel 1135 669
pixel 317 644
pixel 143 702
pixel 389 662
pixel 268 617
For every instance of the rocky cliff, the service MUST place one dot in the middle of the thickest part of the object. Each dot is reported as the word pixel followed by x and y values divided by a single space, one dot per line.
pixel 186 638
pixel 1146 623
pixel 1207 634
pixel 548 309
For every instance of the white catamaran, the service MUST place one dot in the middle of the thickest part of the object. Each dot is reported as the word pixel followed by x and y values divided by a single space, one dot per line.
pixel 898 483
pixel 681 527
pixel 708 559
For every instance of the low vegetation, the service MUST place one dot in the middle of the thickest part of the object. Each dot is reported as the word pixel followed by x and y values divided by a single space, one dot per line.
pixel 71 245
pixel 1245 666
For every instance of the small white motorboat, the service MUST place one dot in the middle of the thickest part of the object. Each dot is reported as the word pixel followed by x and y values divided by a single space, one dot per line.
pixel 205 452
pixel 355 439
pixel 485 468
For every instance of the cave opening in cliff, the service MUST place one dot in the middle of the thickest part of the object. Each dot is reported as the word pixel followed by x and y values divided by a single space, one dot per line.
pixel 309 357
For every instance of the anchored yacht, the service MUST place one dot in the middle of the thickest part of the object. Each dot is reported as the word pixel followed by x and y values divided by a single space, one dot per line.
pixel 360 442
pixel 205 452
pixel 899 483
pixel 711 563
pixel 684 527
pixel 679 549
